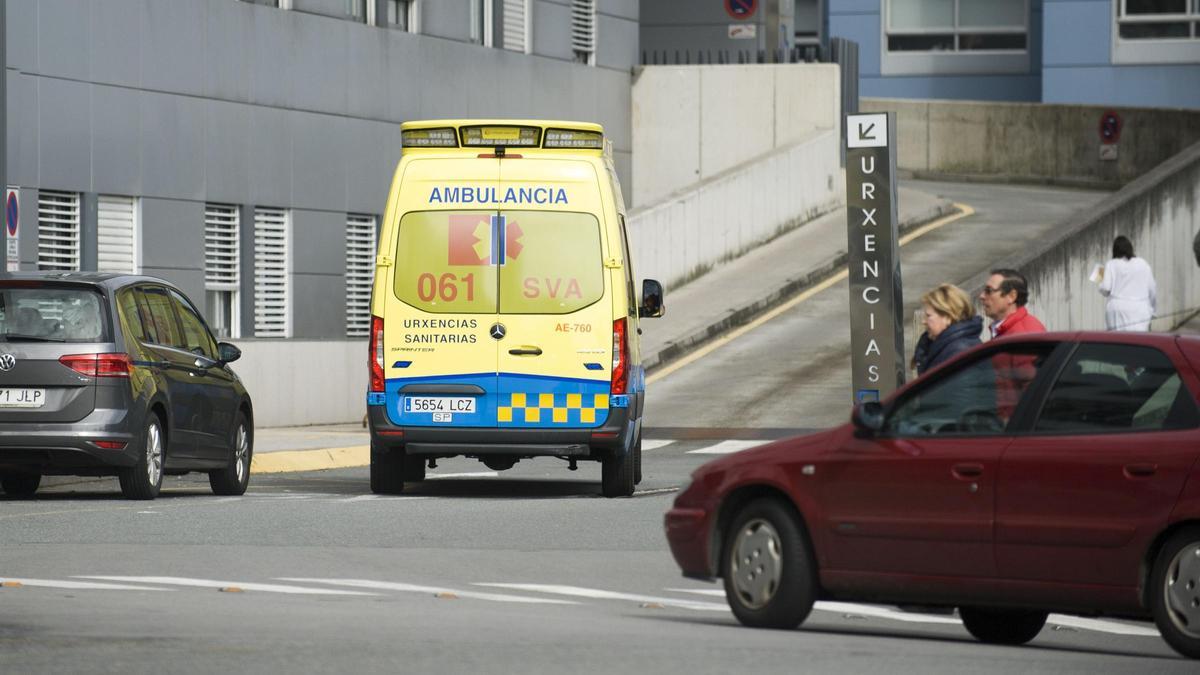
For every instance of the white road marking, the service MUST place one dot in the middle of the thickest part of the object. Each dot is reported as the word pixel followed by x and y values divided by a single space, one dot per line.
pixel 579 592
pixel 725 448
pixel 1098 625
pixel 654 445
pixel 474 474
pixel 1102 626
pixel 431 590
pixel 80 585
pixel 208 583
pixel 657 491
pixel 371 498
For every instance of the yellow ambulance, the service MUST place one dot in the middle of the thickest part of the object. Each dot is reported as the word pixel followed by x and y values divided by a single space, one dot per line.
pixel 504 315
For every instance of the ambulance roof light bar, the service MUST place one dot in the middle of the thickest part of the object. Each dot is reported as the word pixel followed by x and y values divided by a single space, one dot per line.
pixel 444 137
pixel 500 136
pixel 573 138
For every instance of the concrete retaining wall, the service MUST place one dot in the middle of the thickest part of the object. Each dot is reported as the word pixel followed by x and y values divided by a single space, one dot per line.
pixel 683 236
pixel 1159 212
pixel 295 382
pixel 1033 142
pixel 691 123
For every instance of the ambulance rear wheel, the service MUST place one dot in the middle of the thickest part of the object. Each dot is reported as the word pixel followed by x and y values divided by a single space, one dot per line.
pixel 616 476
pixel 387 470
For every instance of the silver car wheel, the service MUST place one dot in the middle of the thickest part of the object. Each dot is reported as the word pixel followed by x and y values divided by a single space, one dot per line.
pixel 241 453
pixel 757 563
pixel 1181 590
pixel 153 454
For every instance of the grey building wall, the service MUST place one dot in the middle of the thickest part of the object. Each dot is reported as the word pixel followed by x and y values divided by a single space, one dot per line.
pixel 182 102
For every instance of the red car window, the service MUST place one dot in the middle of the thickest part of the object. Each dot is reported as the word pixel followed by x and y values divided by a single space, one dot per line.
pixel 978 398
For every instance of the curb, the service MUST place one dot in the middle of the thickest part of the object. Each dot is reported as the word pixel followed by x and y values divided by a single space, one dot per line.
pixel 744 315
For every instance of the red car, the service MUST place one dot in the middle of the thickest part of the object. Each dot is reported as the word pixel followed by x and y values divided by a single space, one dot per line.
pixel 1034 474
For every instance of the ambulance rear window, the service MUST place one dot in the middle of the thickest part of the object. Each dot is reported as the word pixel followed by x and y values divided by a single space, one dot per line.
pixel 552 262
pixel 444 261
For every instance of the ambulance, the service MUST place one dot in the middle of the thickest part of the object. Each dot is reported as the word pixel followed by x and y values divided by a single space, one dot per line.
pixel 504 312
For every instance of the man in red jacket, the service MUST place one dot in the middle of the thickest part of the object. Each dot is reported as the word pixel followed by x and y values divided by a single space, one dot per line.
pixel 1003 300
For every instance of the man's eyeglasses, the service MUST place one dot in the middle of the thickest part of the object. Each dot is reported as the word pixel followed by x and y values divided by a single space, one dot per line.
pixel 988 290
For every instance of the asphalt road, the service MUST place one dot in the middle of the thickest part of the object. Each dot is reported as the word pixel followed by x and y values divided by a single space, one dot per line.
pixel 525 571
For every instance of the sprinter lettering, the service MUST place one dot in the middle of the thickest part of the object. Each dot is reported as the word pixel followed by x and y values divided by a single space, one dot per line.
pixel 558 287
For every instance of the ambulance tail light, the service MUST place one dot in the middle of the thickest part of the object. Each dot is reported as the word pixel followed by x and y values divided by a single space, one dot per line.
pixel 620 365
pixel 376 355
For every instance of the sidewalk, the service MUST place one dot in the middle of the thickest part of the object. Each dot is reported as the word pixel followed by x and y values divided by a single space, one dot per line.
pixel 730 295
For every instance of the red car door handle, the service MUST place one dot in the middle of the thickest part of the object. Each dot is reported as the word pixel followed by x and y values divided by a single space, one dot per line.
pixel 968 470
pixel 1140 470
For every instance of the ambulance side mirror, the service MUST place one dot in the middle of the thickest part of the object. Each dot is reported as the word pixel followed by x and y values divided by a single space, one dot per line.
pixel 652 299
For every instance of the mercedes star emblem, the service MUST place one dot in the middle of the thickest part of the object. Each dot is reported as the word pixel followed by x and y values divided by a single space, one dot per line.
pixel 7 361
pixel 497 332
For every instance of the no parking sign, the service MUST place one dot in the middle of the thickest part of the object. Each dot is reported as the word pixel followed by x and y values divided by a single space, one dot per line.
pixel 12 222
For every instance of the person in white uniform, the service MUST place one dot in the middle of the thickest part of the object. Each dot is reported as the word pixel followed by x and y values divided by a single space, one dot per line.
pixel 1128 283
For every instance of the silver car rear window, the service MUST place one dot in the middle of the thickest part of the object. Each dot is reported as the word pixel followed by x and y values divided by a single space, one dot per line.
pixel 50 314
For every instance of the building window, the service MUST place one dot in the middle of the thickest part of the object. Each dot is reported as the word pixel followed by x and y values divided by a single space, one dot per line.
pixel 583 31
pixel 356 10
pixel 807 18
pixel 1159 19
pixel 481 22
pixel 955 37
pixel 222 275
pixel 58 231
pixel 116 234
pixel 957 25
pixel 272 292
pixel 516 26
pixel 1156 31
pixel 360 273
pixel 402 15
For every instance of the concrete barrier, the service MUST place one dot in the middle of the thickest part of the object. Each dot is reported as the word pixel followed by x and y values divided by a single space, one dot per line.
pixel 1032 142
pixel 720 218
pixel 1159 212
pixel 691 123
pixel 295 382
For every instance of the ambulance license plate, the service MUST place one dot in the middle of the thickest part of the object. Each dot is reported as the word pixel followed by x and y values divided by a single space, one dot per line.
pixel 22 398
pixel 439 404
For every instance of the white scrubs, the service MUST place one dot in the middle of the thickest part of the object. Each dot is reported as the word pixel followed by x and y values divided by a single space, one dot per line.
pixel 1129 287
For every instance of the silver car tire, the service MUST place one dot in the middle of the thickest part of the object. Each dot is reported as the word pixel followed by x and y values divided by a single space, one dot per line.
pixel 1175 592
pixel 144 479
pixel 768 566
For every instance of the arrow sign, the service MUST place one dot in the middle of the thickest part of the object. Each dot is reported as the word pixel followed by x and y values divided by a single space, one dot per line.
pixel 866 131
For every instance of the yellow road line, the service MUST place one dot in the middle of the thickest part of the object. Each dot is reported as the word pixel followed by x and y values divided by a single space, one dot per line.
pixel 963 212
pixel 311 460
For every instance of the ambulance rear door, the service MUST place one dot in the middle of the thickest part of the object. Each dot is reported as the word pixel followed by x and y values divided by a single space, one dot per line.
pixel 440 360
pixel 555 359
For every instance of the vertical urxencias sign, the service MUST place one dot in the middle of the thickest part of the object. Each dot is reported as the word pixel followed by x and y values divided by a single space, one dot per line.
pixel 876 329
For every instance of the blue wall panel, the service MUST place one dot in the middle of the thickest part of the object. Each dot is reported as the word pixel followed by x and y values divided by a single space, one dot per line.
pixel 1159 86
pixel 954 87
pixel 1077 33
pixel 863 29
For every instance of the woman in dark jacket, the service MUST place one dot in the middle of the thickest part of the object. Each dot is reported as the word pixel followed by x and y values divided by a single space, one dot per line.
pixel 951 327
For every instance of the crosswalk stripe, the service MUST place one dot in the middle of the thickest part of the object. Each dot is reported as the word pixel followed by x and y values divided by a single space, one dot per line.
pixel 472 474
pixel 80 585
pixel 208 583
pixel 432 590
pixel 724 448
pixel 580 592
pixel 1102 626
pixel 654 445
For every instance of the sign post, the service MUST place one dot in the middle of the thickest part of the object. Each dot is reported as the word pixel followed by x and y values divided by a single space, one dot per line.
pixel 12 223
pixel 876 329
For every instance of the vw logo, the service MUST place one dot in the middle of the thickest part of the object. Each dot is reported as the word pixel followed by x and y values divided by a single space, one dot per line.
pixel 7 361
pixel 497 332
